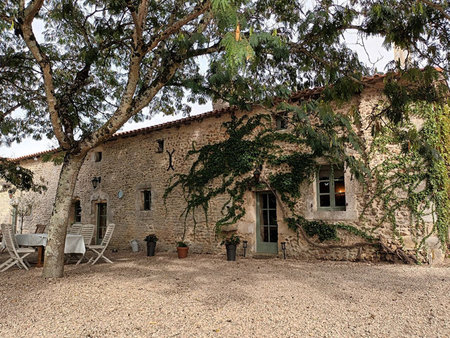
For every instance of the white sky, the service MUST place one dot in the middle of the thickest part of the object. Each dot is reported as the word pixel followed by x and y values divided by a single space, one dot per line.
pixel 375 53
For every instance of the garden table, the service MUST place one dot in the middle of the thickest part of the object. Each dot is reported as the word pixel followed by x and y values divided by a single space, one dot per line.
pixel 74 244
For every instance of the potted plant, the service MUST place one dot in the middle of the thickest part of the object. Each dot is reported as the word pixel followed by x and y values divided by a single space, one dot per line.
pixel 182 249
pixel 231 244
pixel 151 244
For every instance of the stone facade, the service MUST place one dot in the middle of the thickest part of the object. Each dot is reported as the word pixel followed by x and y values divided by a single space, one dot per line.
pixel 138 161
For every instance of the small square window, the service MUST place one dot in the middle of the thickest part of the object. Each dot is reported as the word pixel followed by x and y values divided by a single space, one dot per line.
pixel 160 146
pixel 331 188
pixel 281 121
pixel 146 200
pixel 98 156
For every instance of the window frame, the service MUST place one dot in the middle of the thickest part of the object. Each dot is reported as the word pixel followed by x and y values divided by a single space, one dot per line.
pixel 143 205
pixel 98 156
pixel 332 192
pixel 76 208
pixel 281 121
pixel 160 146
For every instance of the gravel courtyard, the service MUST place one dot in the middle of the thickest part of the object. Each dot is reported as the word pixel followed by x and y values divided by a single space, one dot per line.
pixel 206 296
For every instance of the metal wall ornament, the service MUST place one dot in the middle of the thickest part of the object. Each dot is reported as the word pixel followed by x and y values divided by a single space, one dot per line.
pixel 170 160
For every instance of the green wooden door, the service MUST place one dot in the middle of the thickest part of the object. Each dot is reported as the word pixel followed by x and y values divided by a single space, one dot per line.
pixel 101 221
pixel 266 223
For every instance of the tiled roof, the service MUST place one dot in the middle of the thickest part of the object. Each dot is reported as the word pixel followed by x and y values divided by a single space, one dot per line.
pixel 33 155
pixel 307 93
pixel 219 112
pixel 146 130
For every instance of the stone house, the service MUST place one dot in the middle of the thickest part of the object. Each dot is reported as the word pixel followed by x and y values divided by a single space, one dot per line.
pixel 131 172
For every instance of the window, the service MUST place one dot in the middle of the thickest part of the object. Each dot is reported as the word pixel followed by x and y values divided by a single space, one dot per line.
pixel 281 121
pixel 331 188
pixel 146 200
pixel 160 146
pixel 77 211
pixel 98 156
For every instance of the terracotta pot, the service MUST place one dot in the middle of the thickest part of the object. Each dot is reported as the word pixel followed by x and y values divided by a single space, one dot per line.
pixel 182 251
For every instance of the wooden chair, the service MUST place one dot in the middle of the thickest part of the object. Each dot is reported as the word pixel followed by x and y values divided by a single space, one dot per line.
pixel 87 231
pixel 100 248
pixel 17 255
pixel 75 229
pixel 40 229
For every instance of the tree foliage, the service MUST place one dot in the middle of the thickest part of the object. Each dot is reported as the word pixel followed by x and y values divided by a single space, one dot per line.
pixel 20 177
pixel 272 48
pixel 77 71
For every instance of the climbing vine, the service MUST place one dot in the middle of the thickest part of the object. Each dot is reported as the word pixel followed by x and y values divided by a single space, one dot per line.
pixel 404 167
pixel 414 175
pixel 290 158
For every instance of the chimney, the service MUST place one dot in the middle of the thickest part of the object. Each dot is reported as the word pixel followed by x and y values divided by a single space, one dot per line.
pixel 401 55
pixel 219 104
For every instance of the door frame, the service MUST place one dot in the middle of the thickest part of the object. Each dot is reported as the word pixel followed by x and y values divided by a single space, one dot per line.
pixel 264 247
pixel 97 219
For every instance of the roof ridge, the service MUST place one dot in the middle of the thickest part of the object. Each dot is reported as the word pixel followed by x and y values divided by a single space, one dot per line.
pixel 294 96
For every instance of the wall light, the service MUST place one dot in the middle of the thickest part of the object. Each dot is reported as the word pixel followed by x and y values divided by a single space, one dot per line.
pixel 256 175
pixel 96 181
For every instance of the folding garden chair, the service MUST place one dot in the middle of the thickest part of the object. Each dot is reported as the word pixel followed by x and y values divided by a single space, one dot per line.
pixel 87 231
pixel 40 228
pixel 17 255
pixel 100 248
pixel 75 229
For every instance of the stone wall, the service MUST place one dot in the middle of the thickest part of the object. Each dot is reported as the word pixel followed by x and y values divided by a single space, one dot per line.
pixel 132 163
pixel 5 208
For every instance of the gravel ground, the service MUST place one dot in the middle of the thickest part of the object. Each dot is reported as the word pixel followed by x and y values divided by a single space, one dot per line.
pixel 206 296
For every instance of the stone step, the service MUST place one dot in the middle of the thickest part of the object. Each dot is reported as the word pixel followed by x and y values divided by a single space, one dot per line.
pixel 264 256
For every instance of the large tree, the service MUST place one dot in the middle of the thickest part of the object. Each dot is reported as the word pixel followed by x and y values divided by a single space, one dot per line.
pixel 96 64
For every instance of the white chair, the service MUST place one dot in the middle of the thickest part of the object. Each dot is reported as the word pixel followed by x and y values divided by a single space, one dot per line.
pixel 100 248
pixel 87 231
pixel 17 255
pixel 75 229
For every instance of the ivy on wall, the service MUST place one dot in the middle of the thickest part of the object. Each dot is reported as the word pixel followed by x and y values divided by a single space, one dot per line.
pixel 227 167
pixel 414 177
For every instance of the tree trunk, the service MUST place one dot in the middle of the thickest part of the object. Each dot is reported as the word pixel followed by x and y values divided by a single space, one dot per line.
pixel 54 252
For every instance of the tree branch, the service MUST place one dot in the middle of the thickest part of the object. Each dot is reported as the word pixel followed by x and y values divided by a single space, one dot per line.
pixel 25 22
pixel 32 9
pixel 122 113
pixel 6 18
pixel 177 25
pixel 203 51
pixel 298 48
pixel 9 111
pixel 437 7
pixel 139 21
